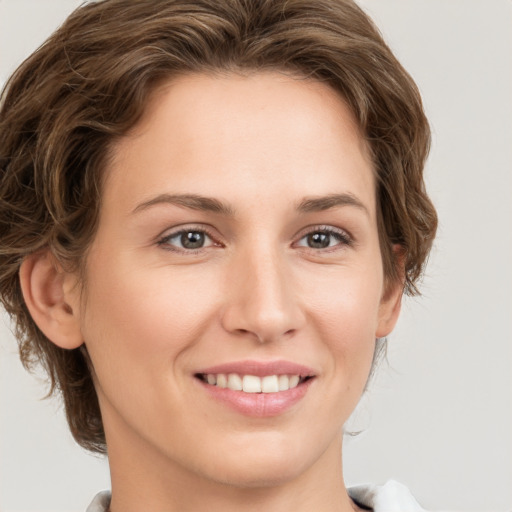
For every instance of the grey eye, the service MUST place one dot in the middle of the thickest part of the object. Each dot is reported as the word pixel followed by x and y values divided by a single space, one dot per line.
pixel 187 239
pixel 318 240
pixel 192 239
pixel 324 238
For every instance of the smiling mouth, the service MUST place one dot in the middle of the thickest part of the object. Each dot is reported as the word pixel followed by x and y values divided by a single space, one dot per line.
pixel 253 383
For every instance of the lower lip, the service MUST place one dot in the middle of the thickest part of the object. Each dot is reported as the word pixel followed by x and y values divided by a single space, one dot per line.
pixel 258 405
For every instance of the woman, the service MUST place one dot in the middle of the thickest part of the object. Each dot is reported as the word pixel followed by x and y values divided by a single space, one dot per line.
pixel 209 214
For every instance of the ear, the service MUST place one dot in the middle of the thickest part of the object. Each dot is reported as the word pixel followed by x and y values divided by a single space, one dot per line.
pixel 51 296
pixel 391 301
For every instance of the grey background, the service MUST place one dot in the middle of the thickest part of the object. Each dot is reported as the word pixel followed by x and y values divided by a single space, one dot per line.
pixel 439 416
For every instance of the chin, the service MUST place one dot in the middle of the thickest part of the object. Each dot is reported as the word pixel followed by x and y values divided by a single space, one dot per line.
pixel 260 466
pixel 261 476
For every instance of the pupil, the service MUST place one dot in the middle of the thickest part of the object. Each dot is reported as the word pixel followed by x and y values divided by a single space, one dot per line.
pixel 192 240
pixel 318 240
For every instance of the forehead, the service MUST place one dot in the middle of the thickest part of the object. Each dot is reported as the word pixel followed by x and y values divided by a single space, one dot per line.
pixel 199 101
pixel 222 135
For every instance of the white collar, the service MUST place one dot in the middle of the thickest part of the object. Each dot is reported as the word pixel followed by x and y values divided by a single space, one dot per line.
pixel 390 497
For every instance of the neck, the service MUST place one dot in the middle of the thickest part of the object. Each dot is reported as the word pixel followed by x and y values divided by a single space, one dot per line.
pixel 143 479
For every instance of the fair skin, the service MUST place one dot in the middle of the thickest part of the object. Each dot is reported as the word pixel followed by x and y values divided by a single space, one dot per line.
pixel 271 272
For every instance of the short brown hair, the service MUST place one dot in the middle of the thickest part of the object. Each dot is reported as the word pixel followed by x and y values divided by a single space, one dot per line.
pixel 88 85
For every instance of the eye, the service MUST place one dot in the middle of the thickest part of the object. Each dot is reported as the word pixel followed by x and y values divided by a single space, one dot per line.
pixel 187 240
pixel 324 238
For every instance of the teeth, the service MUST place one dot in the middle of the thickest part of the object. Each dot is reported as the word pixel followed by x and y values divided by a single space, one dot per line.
pixel 294 381
pixel 270 384
pixel 283 382
pixel 234 382
pixel 222 380
pixel 252 383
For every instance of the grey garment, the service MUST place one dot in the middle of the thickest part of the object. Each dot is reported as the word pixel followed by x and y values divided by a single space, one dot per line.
pixel 390 497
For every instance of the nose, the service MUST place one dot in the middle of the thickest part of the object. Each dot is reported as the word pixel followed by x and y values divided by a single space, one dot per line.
pixel 262 298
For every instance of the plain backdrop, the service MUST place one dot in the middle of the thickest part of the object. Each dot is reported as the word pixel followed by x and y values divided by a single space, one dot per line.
pixel 439 416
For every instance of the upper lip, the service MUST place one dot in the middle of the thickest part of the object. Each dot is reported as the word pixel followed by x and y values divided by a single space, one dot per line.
pixel 260 368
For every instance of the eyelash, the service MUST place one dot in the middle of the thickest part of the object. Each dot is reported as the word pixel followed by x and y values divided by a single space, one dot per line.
pixel 340 235
pixel 344 239
pixel 164 241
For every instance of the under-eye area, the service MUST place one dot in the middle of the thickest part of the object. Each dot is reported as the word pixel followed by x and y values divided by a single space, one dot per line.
pixel 253 383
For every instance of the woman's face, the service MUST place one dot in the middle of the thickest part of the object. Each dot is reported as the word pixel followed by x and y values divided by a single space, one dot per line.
pixel 237 237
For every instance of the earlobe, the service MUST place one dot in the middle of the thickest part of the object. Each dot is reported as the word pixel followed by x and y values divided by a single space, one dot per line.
pixel 50 300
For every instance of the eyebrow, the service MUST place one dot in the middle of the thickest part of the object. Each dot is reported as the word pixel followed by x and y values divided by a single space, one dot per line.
pixel 318 204
pixel 192 201
pixel 210 204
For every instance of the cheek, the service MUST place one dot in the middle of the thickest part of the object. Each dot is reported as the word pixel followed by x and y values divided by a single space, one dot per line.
pixel 346 302
pixel 149 315
pixel 344 311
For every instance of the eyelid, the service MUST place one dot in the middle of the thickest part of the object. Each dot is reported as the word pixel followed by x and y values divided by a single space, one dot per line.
pixel 163 239
pixel 344 237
